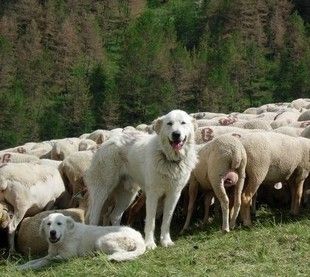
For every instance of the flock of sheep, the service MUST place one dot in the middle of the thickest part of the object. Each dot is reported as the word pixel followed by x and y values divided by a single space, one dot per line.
pixel 267 145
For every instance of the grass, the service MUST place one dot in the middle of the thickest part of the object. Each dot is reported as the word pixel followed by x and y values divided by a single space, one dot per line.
pixel 277 245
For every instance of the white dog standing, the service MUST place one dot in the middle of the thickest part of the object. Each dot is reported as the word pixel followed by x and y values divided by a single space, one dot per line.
pixel 67 238
pixel 159 163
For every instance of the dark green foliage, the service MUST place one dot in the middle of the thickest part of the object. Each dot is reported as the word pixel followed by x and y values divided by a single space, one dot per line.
pixel 69 67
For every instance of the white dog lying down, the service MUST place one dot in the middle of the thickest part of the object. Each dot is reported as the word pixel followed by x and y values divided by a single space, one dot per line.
pixel 67 238
pixel 160 164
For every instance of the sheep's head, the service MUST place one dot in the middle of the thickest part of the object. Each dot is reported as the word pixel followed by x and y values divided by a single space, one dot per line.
pixel 6 213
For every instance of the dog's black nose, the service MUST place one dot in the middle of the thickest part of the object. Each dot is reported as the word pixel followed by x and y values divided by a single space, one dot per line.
pixel 176 135
pixel 52 233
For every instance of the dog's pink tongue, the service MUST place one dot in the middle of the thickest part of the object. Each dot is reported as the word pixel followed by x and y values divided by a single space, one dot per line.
pixel 177 145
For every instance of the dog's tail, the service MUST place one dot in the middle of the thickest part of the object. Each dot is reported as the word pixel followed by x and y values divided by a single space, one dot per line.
pixel 130 255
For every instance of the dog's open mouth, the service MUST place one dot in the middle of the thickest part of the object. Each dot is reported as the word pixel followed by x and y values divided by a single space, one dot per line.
pixel 177 144
pixel 54 240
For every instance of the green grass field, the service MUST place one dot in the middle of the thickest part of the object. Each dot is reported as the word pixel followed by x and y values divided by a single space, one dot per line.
pixel 277 245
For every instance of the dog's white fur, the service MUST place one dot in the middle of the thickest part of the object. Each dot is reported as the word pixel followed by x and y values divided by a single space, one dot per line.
pixel 160 167
pixel 72 239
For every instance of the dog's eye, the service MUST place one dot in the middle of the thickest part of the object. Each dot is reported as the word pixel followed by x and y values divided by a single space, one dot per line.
pixel 169 123
pixel 183 122
pixel 59 223
pixel 48 224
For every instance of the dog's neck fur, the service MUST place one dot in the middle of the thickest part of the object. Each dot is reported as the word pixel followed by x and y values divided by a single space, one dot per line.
pixel 173 163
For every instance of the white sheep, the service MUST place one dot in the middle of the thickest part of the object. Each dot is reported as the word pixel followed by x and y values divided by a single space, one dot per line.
pixel 306 132
pixel 99 136
pixel 304 116
pixel 29 188
pixel 72 169
pixel 64 147
pixel 222 164
pixel 273 158
pixel 290 131
pixel 11 157
pixel 257 124
pixel 28 239
pixel 87 144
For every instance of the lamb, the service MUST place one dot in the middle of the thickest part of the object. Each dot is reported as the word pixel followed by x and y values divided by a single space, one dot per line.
pixel 11 157
pixel 222 163
pixel 29 241
pixel 41 150
pixel 29 188
pixel 64 147
pixel 273 158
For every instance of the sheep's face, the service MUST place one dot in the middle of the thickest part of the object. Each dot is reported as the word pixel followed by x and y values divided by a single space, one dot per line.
pixel 55 226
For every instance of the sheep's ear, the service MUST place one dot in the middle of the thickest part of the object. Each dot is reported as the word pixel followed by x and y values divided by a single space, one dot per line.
pixel 41 229
pixel 195 124
pixel 70 223
pixel 157 125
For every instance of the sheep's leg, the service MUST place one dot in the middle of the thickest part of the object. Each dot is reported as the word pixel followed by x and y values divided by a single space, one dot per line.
pixel 219 190
pixel 296 186
pixel 237 201
pixel 246 198
pixel 296 197
pixel 253 206
pixel 135 209
pixel 192 193
pixel 171 201
pixel 123 199
pixel 207 203
pixel 18 216
pixel 151 208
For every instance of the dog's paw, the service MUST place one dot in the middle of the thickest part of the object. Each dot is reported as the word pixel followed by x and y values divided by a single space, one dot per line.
pixel 21 267
pixel 167 242
pixel 150 245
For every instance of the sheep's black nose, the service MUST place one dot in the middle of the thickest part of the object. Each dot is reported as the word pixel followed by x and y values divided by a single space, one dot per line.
pixel 53 233
pixel 176 135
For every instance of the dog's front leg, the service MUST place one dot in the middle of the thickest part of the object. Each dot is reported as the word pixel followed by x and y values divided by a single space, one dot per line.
pixel 35 264
pixel 171 201
pixel 151 208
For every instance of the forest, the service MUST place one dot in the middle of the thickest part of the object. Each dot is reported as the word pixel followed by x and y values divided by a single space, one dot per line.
pixel 68 67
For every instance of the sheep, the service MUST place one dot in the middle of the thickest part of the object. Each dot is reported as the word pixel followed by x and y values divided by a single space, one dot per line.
pixel 41 150
pixel 300 124
pixel 72 169
pixel 304 116
pixel 300 103
pixel 306 132
pixel 64 147
pixel 84 136
pixel 242 116
pixel 205 134
pixel 49 162
pixel 99 136
pixel 289 116
pixel 29 188
pixel 222 163
pixel 257 124
pixel 207 115
pixel 11 157
pixel 266 116
pixel 87 144
pixel 273 158
pixel 290 131
pixel 29 241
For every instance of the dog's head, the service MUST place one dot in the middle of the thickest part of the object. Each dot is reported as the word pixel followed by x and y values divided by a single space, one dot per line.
pixel 55 226
pixel 176 129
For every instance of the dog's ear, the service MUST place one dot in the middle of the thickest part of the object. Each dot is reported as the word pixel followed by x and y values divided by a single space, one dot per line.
pixel 157 125
pixel 70 223
pixel 42 229
pixel 195 124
